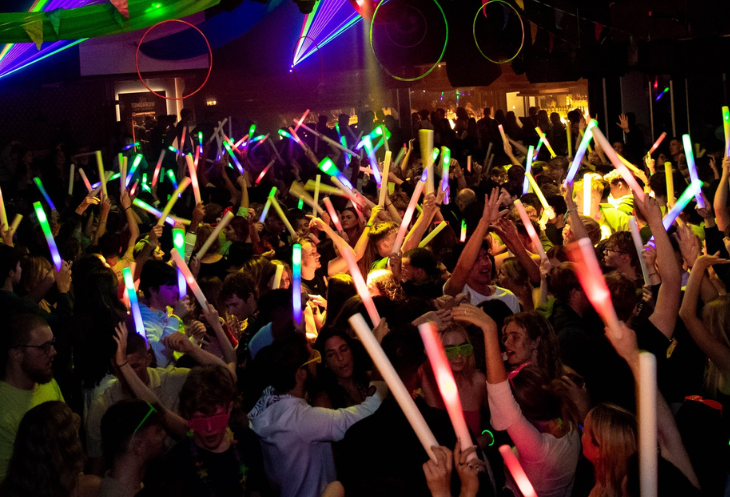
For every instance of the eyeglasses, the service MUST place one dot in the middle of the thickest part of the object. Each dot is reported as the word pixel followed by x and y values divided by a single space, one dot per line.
pixel 44 347
pixel 464 350
pixel 316 358
pixel 615 251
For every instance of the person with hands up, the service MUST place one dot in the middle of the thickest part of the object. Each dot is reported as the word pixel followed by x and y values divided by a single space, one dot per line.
pixel 438 474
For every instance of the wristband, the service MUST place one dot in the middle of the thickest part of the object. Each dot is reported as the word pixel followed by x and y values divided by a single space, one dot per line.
pixel 120 366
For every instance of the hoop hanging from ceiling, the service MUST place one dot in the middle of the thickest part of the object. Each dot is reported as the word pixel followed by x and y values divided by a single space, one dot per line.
pixel 443 50
pixel 474 31
pixel 210 58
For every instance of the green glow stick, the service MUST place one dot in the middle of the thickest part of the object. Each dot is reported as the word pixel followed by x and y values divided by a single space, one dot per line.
pixel 178 240
pixel 43 220
pixel 38 183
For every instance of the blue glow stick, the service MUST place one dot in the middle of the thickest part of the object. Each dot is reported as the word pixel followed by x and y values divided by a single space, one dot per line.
pixel 135 165
pixel 38 183
pixel 372 160
pixel 52 248
pixel 173 149
pixel 587 136
pixel 689 155
pixel 296 284
pixel 528 169
pixel 233 156
pixel 133 302
pixel 131 145
pixel 329 168
pixel 691 191
pixel 265 212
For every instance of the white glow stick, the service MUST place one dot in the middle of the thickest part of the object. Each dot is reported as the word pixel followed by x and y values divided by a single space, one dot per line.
pixel 587 193
pixel 214 235
pixel 409 214
pixel 193 178
pixel 277 277
pixel 639 245
pixel 689 155
pixel 646 396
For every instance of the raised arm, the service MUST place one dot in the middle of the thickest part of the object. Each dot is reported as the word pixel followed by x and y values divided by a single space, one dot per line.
pixel 576 225
pixel 414 236
pixel 469 255
pixel 338 264
pixel 720 203
pixel 664 316
pixel 507 231
pixel 131 222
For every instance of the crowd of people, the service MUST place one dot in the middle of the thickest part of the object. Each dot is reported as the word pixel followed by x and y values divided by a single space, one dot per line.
pixel 242 397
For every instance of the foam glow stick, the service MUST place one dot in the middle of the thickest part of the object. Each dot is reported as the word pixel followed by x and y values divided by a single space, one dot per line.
pixel 296 282
pixel 687 142
pixel 251 131
pixel 71 180
pixel 156 174
pixel 409 212
pixel 613 157
pixel 329 140
pixel 433 234
pixel 111 177
pixel 372 160
pixel 178 240
pixel 528 169
pixel 200 142
pixel 582 133
pixel 3 213
pixel 131 145
pixel 537 149
pixel 301 120
pixel 536 189
pixel 578 158
pixel 544 139
pixel 276 284
pixel 173 150
pixel 266 170
pixel 395 384
pixel 658 142
pixel 285 134
pixel 343 142
pixel 298 191
pixel 399 157
pixel 43 221
pixel 122 174
pixel 536 244
pixel 691 191
pixel 324 189
pixel 282 216
pixel 102 177
pixel 182 138
pixel 669 177
pixel 180 263
pixel 501 132
pixel 425 138
pixel 87 184
pixel 16 222
pixel 518 474
pixel 593 283
pixel 193 178
pixel 330 169
pixel 265 212
pixel 569 136
pixel 148 208
pixel 38 183
pixel 628 164
pixel 133 302
pixel 135 166
pixel 646 396
pixel 233 156
pixel 587 193
pixel 468 160
pixel 173 198
pixel 173 180
pixel 726 128
pixel 332 213
pixel 446 383
pixel 214 235
pixel 217 130
pixel 445 163
pixel 639 245
pixel 462 238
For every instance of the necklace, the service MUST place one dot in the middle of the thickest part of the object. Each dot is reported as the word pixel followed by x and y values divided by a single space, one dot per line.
pixel 202 470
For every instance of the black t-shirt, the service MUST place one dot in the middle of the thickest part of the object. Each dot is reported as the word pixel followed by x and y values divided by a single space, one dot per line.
pixel 318 284
pixel 188 470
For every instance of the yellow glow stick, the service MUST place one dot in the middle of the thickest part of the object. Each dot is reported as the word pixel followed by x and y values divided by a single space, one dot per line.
pixel 587 193
pixel 433 234
pixel 670 183
pixel 102 177
pixel 171 203
pixel 537 191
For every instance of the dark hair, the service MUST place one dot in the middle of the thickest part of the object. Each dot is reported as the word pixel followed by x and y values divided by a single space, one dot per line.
pixel 110 245
pixel 539 328
pixel 340 288
pixel 327 380
pixel 238 284
pixel 624 243
pixel 423 258
pixel 540 398
pixel 156 274
pixel 120 423
pixel 16 332
pixel 404 349
pixel 558 204
pixel 135 343
pixel 623 294
pixel 9 260
pixel 206 388
pixel 288 354
pixel 562 280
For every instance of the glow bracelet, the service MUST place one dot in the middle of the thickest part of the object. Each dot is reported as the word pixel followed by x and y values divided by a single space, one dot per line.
pixel 193 178
pixel 536 189
pixel 38 183
pixel 639 245
pixel 133 302
pixel 214 235
pixel 518 474
pixel 171 203
pixel 296 282
pixel 180 262
pixel 578 158
pixel 409 213
pixel 53 249
pixel 178 241
pixel 613 157
pixel 687 142
pixel 433 234
pixel 528 169
pixel 536 244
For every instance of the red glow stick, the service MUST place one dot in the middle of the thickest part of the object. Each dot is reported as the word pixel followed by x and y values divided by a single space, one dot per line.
pixel 333 213
pixel 156 174
pixel 515 469
pixel 409 213
pixel 594 285
pixel 193 178
pixel 445 381
pixel 86 181
pixel 536 244
pixel 301 120
pixel 620 167
pixel 263 173
pixel 657 143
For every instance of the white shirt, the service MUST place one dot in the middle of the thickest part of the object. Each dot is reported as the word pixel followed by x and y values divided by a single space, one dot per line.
pixel 476 298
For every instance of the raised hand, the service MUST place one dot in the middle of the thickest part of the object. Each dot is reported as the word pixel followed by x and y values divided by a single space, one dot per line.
pixel 468 470
pixel 650 209
pixel 623 122
pixel 120 337
pixel 467 313
pixel 438 474
pixel 178 342
pixel 63 278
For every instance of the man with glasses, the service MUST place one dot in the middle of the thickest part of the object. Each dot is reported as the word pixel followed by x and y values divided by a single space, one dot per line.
pixel 620 255
pixel 26 359
pixel 296 437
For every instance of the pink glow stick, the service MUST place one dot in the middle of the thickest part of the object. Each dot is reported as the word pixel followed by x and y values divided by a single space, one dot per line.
pixel 408 216
pixel 304 116
pixel 193 178
pixel 518 474
pixel 537 245
pixel 620 167
pixel 445 381
pixel 86 181
pixel 333 213
pixel 180 262
pixel 657 143
pixel 263 173
pixel 156 174
pixel 361 286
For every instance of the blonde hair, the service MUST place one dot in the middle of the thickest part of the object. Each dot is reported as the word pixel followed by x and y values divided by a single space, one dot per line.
pixel 385 283
pixel 614 430
pixel 469 361
pixel 716 318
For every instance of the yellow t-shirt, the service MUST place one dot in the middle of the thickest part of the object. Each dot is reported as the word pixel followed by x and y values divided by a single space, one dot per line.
pixel 15 403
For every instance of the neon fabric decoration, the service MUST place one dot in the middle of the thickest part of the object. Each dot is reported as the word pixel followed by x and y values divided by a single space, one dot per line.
pixel 639 245
pixel 446 383
pixel 178 241
pixel 580 152
pixel 38 183
pixel 133 302
pixel 180 262
pixel 296 283
pixel 536 243
pixel 515 469
pixel 687 142
pixel 214 235
pixel 53 249
pixel 528 169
